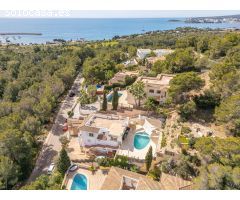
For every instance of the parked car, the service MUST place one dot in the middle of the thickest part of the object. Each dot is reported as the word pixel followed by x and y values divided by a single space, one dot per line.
pixel 50 168
pixel 73 167
pixel 65 127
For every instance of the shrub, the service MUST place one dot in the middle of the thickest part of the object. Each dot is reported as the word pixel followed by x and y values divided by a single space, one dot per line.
pixel 121 161
pixel 134 168
pixel 118 161
pixel 185 130
pixel 70 113
pixel 208 100
pixel 155 173
pixel 164 141
pixel 187 110
pixel 129 80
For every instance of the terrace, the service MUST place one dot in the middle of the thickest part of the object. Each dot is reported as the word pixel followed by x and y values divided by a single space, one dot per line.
pixel 144 133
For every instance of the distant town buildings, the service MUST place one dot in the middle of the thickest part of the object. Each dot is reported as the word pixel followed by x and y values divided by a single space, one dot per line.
pixel 217 19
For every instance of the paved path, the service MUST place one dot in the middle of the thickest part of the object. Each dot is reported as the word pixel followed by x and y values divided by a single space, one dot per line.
pixel 52 145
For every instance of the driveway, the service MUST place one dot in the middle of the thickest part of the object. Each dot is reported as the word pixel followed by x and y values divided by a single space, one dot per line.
pixel 52 145
pixel 90 108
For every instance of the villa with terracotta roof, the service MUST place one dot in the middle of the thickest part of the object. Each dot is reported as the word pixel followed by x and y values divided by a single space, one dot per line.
pixel 103 131
pixel 120 179
pixel 120 77
pixel 129 63
pixel 154 87
pixel 151 60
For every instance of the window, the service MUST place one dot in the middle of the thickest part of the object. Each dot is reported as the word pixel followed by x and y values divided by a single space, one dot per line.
pixel 113 138
pixel 151 91
pixel 90 134
pixel 159 92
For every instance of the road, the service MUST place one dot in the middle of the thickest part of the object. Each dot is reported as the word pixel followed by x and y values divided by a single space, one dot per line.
pixel 52 145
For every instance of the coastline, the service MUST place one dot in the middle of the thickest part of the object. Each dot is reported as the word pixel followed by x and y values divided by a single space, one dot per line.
pixel 56 41
pixel 43 31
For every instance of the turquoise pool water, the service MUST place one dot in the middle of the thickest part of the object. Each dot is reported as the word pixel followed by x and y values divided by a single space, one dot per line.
pixel 109 97
pixel 79 182
pixel 141 140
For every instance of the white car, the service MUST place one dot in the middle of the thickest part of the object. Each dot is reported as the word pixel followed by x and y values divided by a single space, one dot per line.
pixel 51 168
pixel 73 167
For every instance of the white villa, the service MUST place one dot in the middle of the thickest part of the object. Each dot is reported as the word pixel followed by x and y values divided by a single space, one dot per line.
pixel 103 131
pixel 154 87
pixel 142 53
pixel 130 63
pixel 162 52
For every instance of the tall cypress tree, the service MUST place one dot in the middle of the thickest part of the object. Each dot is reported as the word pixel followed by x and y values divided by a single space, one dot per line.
pixel 104 104
pixel 63 162
pixel 148 158
pixel 115 99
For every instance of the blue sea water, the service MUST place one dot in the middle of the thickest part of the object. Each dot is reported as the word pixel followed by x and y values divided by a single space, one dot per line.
pixel 89 29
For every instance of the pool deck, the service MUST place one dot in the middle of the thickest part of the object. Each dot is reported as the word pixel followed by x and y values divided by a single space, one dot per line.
pixel 94 181
pixel 127 148
pixel 123 99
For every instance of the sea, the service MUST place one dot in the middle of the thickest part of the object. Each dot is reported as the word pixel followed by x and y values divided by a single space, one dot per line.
pixel 89 29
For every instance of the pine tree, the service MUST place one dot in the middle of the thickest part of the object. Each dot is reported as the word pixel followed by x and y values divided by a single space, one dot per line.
pixel 137 90
pixel 148 158
pixel 104 104
pixel 115 99
pixel 63 162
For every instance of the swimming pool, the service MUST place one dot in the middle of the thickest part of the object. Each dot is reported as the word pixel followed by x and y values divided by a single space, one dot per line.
pixel 141 140
pixel 110 96
pixel 79 182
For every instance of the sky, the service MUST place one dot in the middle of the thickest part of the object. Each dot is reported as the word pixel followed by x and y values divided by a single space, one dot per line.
pixel 151 14
pixel 114 13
